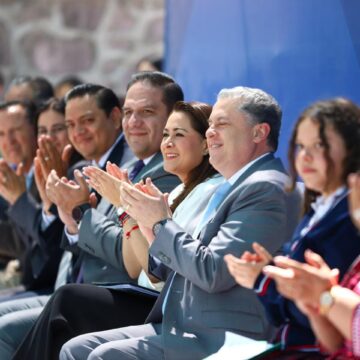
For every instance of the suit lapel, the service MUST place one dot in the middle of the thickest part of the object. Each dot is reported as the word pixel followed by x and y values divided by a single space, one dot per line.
pixel 117 152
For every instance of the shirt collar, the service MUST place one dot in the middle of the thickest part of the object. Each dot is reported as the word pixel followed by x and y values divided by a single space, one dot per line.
pixel 148 159
pixel 236 176
pixel 328 201
pixel 101 163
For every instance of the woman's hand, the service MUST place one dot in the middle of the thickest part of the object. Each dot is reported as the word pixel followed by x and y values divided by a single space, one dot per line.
pixel 247 268
pixel 302 282
pixel 50 159
pixel 41 184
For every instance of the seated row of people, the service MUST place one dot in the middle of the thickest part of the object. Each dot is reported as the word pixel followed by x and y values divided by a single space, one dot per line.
pixel 220 227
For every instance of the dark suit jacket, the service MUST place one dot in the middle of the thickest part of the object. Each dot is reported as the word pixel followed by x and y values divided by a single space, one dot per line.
pixel 92 269
pixel 337 240
pixel 204 300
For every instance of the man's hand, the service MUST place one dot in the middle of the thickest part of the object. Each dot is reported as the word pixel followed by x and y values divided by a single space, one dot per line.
pixel 115 171
pixel 65 194
pixel 105 184
pixel 68 220
pixel 12 184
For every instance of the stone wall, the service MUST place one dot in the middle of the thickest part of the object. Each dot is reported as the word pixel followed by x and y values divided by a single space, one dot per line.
pixel 99 40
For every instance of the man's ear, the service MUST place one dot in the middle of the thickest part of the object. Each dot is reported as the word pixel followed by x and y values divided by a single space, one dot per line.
pixel 261 132
pixel 116 117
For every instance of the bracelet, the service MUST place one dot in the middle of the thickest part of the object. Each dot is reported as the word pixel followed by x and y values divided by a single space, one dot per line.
pixel 123 217
pixel 128 233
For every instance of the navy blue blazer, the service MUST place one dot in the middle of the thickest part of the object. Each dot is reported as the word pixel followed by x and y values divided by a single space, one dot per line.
pixel 337 240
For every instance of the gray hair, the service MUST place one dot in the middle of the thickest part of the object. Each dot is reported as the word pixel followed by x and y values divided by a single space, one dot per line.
pixel 260 107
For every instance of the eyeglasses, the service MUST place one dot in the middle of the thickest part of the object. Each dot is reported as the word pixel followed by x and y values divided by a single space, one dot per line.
pixel 56 129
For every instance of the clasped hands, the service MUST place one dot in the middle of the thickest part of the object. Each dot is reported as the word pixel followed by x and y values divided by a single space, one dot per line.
pixel 47 159
pixel 302 283
pixel 12 182
pixel 144 202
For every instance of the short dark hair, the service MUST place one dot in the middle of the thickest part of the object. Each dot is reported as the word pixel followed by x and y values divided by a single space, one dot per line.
pixel 172 92
pixel 344 117
pixel 29 106
pixel 105 98
pixel 41 88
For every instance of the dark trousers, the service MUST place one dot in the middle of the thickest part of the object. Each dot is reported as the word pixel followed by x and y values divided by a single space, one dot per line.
pixel 78 309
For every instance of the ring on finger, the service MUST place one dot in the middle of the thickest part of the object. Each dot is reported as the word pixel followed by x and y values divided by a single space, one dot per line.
pixel 46 158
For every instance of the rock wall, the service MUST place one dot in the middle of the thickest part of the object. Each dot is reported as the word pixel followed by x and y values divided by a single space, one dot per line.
pixel 99 40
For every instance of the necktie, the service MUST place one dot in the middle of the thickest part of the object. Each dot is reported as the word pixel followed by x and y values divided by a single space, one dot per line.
pixel 214 202
pixel 64 267
pixel 137 168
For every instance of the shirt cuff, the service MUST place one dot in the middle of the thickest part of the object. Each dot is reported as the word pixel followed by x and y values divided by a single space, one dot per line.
pixel 261 284
pixel 46 220
pixel 72 238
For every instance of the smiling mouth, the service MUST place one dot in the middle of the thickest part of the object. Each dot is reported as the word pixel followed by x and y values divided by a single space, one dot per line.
pixel 137 134
pixel 214 146
pixel 171 156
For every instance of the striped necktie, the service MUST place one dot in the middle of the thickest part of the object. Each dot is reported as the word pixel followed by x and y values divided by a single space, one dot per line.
pixel 137 168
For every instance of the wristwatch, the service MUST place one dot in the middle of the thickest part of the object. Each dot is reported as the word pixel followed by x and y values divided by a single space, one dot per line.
pixel 78 212
pixel 326 302
pixel 158 225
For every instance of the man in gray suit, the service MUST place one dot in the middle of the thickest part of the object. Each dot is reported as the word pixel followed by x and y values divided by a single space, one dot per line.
pixel 149 99
pixel 200 300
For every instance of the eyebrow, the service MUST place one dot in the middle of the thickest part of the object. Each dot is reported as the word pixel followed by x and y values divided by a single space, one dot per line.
pixel 176 129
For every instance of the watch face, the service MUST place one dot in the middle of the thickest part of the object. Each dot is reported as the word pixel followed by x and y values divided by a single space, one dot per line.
pixel 157 226
pixel 77 214
pixel 326 301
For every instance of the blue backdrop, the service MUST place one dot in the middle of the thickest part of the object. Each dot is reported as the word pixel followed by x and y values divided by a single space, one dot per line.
pixel 297 50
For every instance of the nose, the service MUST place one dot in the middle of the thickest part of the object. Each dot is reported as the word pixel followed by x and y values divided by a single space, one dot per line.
pixel 79 129
pixel 210 132
pixel 10 137
pixel 305 154
pixel 134 120
pixel 169 142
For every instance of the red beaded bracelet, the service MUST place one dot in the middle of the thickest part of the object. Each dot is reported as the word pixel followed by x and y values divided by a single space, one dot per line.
pixel 128 233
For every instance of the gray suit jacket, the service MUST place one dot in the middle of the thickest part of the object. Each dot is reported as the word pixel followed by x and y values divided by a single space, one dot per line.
pixel 100 235
pixel 204 301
